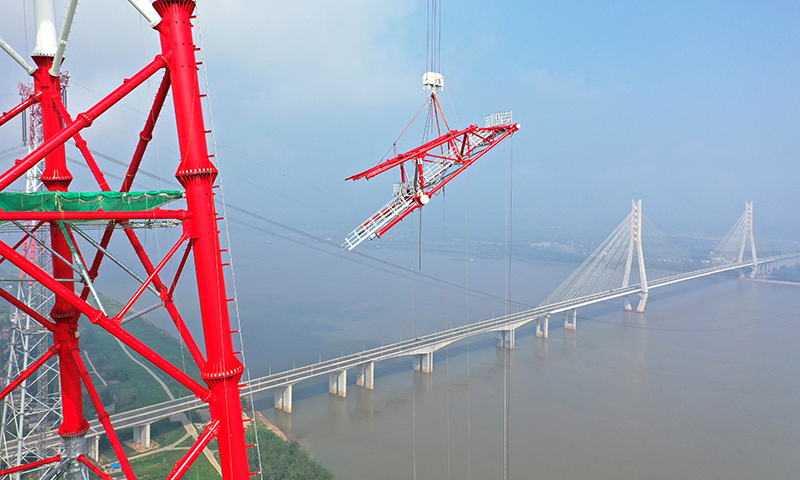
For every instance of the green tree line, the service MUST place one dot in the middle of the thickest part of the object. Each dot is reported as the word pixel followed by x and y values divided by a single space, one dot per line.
pixel 282 460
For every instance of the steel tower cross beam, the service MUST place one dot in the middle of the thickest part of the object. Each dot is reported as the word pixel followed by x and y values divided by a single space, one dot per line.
pixel 196 174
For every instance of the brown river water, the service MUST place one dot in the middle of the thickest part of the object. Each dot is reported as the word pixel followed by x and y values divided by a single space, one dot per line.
pixel 704 385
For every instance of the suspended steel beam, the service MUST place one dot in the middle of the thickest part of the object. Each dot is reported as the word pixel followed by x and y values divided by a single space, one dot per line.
pixel 436 163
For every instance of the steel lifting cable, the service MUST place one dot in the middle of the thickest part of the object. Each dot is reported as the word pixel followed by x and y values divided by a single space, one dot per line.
pixel 246 373
pixel 428 39
pixel 414 389
pixel 429 123
pixel 507 344
pixel 466 320
pixel 418 168
pixel 434 36
pixel 447 321
pixel 394 145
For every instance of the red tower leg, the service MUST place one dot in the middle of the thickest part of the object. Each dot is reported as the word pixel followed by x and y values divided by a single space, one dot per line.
pixel 56 177
pixel 196 174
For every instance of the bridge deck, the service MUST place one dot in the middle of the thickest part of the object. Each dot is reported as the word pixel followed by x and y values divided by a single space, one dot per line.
pixel 425 344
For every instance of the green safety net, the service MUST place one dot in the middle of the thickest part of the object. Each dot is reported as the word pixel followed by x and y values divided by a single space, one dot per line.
pixel 87 201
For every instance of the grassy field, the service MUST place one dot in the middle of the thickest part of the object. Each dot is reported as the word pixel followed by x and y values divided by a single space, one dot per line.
pixel 158 464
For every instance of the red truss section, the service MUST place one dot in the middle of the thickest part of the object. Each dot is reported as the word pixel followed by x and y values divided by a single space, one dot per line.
pixel 434 165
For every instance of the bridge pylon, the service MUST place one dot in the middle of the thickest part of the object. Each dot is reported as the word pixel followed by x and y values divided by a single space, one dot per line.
pixel 618 264
pixel 635 242
pixel 748 234
pixel 732 248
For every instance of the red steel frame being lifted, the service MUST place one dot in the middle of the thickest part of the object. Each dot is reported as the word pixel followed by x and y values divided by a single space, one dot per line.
pixel 435 164
pixel 220 369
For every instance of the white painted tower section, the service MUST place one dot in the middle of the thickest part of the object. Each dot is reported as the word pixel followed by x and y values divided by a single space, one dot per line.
pixel 46 38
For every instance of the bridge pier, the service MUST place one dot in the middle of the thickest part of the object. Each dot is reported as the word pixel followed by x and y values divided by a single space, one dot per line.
pixel 337 383
pixel 506 338
pixel 94 447
pixel 642 302
pixel 283 398
pixel 627 307
pixel 574 324
pixel 141 435
pixel 546 332
pixel 366 375
pixel 423 362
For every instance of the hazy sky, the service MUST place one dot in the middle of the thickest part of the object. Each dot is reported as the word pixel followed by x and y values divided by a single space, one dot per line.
pixel 693 107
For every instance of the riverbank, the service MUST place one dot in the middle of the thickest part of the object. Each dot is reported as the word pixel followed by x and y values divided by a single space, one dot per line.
pixel 277 431
pixel 766 280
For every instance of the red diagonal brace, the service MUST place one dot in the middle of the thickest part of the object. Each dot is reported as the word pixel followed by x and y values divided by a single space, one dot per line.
pixel 183 464
pixel 83 121
pixel 149 279
pixel 180 270
pixel 94 468
pixel 147 133
pixel 173 311
pixel 29 466
pixel 81 144
pixel 102 415
pixel 28 372
pixel 35 98
pixel 28 310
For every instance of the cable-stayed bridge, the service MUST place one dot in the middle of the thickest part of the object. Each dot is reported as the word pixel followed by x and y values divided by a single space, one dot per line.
pixel 633 260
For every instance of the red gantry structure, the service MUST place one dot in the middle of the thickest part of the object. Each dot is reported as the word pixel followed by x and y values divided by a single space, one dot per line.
pixel 65 215
pixel 433 165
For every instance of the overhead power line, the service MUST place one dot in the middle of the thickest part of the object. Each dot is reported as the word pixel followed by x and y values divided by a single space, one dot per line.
pixel 393 268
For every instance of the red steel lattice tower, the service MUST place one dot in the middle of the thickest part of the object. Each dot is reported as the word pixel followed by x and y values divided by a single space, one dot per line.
pixel 220 369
